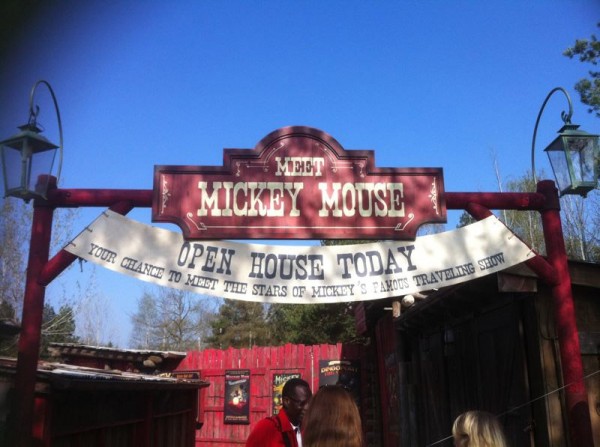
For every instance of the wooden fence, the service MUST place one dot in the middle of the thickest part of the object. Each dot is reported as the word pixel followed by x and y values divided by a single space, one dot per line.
pixel 263 363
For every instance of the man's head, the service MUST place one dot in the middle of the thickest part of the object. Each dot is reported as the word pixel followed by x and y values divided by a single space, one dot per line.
pixel 296 396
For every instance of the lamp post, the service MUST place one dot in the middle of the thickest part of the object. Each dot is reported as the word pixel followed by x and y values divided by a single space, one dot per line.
pixel 28 155
pixel 573 154
pixel 28 159
pixel 574 159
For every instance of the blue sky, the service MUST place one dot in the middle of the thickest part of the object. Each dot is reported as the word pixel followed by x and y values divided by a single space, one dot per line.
pixel 451 84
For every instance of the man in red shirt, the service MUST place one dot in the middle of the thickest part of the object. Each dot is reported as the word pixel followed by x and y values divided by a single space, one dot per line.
pixel 283 430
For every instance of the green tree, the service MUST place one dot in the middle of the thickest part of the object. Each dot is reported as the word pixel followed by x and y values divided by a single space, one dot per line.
pixel 312 324
pixel 240 324
pixel 588 50
pixel 8 344
pixel 465 219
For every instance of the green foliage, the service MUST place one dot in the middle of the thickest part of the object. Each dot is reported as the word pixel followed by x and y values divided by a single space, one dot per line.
pixel 240 324
pixel 465 219
pixel 315 323
pixel 595 254
pixel 8 343
pixel 7 312
pixel 588 50
pixel 312 324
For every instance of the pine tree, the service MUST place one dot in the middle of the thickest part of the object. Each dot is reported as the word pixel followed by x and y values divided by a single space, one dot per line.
pixel 588 50
pixel 240 324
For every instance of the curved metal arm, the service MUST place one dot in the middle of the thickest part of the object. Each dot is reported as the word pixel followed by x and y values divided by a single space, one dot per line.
pixel 566 117
pixel 34 112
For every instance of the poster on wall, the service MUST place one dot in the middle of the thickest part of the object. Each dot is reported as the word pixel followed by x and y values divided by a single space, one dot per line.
pixel 345 373
pixel 278 381
pixel 237 396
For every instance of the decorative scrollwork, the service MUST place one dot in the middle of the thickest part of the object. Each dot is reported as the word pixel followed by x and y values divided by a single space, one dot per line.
pixel 166 195
pixel 433 196
pixel 402 226
pixel 200 226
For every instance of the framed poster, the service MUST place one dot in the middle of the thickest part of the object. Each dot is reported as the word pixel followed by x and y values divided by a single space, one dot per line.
pixel 278 382
pixel 344 373
pixel 237 397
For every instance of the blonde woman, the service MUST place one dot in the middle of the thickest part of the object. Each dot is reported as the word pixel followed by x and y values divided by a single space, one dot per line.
pixel 478 429
pixel 332 420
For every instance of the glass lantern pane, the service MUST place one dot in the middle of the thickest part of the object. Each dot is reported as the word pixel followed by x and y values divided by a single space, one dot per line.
pixel 582 155
pixel 42 164
pixel 560 165
pixel 13 168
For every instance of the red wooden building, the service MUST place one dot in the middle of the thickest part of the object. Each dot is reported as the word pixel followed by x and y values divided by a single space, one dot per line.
pixel 488 344
pixel 265 365
pixel 109 403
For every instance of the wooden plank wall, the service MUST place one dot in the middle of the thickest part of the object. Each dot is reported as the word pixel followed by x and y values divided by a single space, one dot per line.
pixel 262 362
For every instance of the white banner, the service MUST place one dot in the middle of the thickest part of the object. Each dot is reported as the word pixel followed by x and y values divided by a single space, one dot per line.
pixel 299 274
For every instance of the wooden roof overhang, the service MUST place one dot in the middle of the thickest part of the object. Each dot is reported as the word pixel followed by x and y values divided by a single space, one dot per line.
pixel 467 299
pixel 58 376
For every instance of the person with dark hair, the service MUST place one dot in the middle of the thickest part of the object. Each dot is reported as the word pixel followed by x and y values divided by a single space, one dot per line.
pixel 283 430
pixel 332 419
pixel 478 429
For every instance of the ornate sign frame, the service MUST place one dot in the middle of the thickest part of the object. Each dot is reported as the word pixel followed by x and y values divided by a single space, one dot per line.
pixel 298 183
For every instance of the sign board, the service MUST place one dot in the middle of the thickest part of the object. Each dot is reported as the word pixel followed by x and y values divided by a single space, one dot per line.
pixel 298 183
pixel 299 274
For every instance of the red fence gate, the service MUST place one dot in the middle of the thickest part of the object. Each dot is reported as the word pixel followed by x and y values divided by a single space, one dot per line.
pixel 263 363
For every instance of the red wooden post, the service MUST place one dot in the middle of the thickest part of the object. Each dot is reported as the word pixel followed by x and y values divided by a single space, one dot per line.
pixel 546 201
pixel 40 272
pixel 31 324
pixel 580 426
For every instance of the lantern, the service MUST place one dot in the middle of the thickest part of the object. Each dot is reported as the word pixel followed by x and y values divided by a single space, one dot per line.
pixel 28 157
pixel 25 157
pixel 574 159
